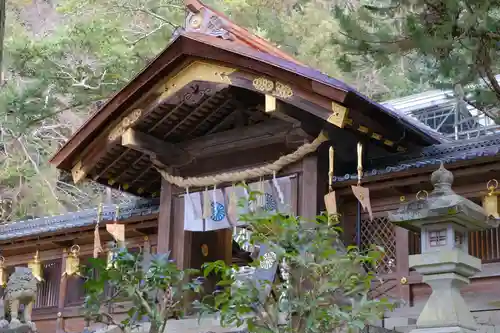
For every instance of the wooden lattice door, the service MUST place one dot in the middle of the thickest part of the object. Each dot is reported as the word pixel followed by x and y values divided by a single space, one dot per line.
pixel 393 267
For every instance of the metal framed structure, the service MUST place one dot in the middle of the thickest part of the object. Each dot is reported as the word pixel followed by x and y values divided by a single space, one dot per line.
pixel 447 113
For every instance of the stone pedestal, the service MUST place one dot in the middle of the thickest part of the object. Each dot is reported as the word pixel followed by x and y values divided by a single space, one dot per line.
pixel 446 272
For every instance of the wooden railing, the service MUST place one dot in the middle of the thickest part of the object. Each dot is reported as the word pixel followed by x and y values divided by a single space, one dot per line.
pixel 484 245
pixel 48 290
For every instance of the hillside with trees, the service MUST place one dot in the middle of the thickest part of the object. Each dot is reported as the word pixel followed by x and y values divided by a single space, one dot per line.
pixel 63 58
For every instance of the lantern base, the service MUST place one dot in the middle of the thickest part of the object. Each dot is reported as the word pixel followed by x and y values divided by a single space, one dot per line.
pixel 446 272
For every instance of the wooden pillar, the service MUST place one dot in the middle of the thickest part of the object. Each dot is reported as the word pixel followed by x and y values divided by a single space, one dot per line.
pixel 225 245
pixel 165 217
pixel 402 262
pixel 63 287
pixel 180 239
pixel 308 200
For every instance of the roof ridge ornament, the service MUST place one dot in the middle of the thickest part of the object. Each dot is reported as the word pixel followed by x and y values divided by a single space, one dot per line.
pixel 202 19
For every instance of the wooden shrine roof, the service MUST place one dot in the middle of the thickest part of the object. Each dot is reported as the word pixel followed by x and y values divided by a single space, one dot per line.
pixel 66 228
pixel 184 98
pixel 456 153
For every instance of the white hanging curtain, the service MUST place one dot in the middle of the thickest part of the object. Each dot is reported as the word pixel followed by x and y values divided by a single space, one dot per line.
pixel 193 211
pixel 273 200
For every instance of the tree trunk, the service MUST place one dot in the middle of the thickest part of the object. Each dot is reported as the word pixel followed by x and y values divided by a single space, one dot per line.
pixel 2 37
pixel 154 327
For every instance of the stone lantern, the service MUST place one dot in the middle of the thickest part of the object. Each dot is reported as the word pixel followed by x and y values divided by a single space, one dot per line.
pixel 443 219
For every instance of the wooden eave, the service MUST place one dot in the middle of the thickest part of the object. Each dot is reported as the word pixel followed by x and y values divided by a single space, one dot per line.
pixel 185 47
pixel 135 227
pixel 181 51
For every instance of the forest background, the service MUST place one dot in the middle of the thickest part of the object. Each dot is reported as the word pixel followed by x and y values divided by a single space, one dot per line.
pixel 63 58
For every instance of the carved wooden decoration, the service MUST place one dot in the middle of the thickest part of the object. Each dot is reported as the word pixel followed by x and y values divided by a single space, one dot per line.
pixel 195 92
pixel 208 23
pixel 268 86
pixel 196 71
pixel 124 124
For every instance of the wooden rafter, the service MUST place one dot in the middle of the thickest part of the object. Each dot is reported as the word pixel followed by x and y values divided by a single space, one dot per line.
pixel 269 132
pixel 164 152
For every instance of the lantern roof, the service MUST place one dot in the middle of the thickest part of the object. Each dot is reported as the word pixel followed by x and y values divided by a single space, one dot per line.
pixel 441 206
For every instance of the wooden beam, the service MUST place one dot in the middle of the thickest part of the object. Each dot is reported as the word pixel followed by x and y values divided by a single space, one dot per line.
pixel 164 152
pixel 266 133
pixel 263 134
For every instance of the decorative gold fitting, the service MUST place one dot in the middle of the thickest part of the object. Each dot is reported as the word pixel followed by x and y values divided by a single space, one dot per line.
pixel 492 186
pixel 75 249
pixel 402 198
pixel 3 273
pixel 204 250
pixel 36 266
pixel 404 280
pixel 422 195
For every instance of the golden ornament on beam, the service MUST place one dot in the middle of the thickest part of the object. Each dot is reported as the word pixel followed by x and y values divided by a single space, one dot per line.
pixel 3 273
pixel 491 202
pixel 36 267
pixel 73 262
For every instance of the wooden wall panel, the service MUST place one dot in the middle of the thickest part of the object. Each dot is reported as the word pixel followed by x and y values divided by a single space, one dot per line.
pixel 46 326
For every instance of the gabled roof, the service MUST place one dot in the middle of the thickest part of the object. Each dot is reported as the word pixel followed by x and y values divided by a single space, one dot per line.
pixel 206 47
pixel 213 39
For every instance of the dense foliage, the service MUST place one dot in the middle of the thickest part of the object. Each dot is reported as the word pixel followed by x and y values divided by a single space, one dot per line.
pixel 453 44
pixel 322 287
pixel 153 285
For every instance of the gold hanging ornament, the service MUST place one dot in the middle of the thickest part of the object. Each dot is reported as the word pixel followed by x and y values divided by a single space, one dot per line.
pixel 73 262
pixel 330 199
pixel 97 237
pixel 3 273
pixel 36 267
pixel 491 202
